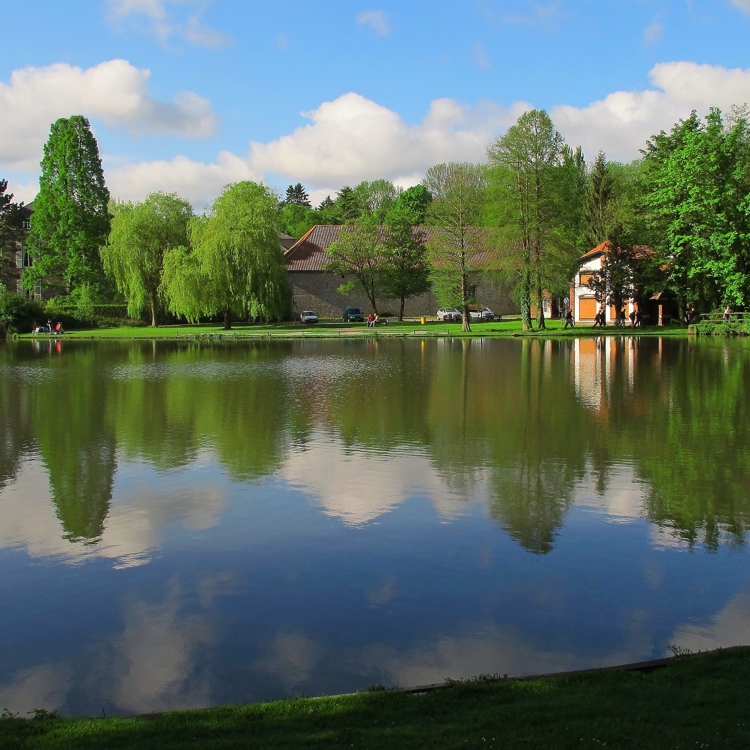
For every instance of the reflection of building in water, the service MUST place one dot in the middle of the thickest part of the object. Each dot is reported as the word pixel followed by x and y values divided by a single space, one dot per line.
pixel 602 366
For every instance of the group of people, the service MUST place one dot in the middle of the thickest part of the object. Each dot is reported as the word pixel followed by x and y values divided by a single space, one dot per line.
pixel 49 328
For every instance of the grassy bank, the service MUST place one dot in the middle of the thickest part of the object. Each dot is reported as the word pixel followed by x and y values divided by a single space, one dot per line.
pixel 327 329
pixel 695 702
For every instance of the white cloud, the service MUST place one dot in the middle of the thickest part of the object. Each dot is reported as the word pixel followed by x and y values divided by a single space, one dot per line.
pixel 358 487
pixel 743 5
pixel 375 19
pixel 348 140
pixel 114 92
pixel 621 123
pixel 197 181
pixel 480 57
pixel 653 32
pixel 353 138
pixel 165 24
pixel 538 15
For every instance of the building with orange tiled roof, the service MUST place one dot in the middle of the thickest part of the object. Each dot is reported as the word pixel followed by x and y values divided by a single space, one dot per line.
pixel 657 309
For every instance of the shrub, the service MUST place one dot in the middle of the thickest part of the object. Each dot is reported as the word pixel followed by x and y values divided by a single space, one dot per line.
pixel 18 313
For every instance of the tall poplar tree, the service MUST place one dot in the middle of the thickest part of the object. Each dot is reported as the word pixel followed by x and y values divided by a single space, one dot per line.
pixel 537 185
pixel 70 220
pixel 142 233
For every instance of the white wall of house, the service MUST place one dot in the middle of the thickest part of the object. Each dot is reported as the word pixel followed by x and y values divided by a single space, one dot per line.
pixel 583 302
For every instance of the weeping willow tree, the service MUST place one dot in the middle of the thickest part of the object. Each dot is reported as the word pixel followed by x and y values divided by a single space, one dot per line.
pixel 140 237
pixel 234 266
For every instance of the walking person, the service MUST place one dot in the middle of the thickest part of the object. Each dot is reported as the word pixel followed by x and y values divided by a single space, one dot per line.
pixel 727 314
pixel 569 322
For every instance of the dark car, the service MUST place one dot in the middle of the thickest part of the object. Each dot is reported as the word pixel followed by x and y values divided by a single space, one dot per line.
pixel 353 315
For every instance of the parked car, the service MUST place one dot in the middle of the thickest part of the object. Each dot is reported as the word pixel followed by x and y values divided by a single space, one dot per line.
pixel 308 316
pixel 353 315
pixel 480 313
pixel 449 313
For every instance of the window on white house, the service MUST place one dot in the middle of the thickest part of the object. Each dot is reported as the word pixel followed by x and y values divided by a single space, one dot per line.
pixel 27 224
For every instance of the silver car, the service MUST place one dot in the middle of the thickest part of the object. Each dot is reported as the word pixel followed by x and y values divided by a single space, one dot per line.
pixel 449 313
pixel 308 316
pixel 484 314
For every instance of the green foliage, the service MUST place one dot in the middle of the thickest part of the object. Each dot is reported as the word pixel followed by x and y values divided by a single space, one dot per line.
pixel 695 701
pixel 18 314
pixel 416 199
pixel 10 215
pixel 358 254
pixel 697 180
pixel 70 220
pixel 348 206
pixel 376 198
pixel 458 191
pixel 536 195
pixel 235 266
pixel 297 196
pixel 296 219
pixel 404 270
pixel 140 237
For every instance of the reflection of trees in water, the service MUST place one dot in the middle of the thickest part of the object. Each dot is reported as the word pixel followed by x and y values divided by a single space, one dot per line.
pixel 506 412
pixel 16 433
pixel 678 412
pixel 694 450
pixel 540 445
pixel 75 441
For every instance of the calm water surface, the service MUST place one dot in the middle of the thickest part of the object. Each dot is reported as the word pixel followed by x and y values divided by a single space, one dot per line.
pixel 188 525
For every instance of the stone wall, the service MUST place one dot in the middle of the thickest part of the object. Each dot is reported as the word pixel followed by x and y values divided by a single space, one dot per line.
pixel 316 290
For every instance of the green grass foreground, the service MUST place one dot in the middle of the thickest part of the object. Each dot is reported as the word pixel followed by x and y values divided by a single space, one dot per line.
pixel 334 329
pixel 695 702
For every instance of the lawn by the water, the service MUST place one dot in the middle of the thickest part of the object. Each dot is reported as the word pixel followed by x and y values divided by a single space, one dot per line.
pixel 506 327
pixel 695 702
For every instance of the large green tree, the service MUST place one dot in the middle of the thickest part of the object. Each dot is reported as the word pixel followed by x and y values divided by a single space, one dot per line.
pixel 70 220
pixel 405 271
pixel 358 255
pixel 537 185
pixel 697 180
pixel 235 267
pixel 141 235
pixel 458 192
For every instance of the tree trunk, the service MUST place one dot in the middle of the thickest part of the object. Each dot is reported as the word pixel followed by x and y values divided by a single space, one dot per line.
pixel 227 319
pixel 401 310
pixel 152 303
pixel 466 322
pixel 541 325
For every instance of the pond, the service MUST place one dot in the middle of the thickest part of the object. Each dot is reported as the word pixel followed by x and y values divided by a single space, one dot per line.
pixel 186 525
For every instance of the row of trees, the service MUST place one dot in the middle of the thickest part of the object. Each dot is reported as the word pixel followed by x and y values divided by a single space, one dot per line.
pixel 538 204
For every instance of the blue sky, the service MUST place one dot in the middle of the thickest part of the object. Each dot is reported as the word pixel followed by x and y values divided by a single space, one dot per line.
pixel 189 95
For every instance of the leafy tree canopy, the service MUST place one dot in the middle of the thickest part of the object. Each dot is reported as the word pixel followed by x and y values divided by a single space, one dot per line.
pixel 697 190
pixel 458 191
pixel 236 265
pixel 297 196
pixel 141 235
pixel 70 220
